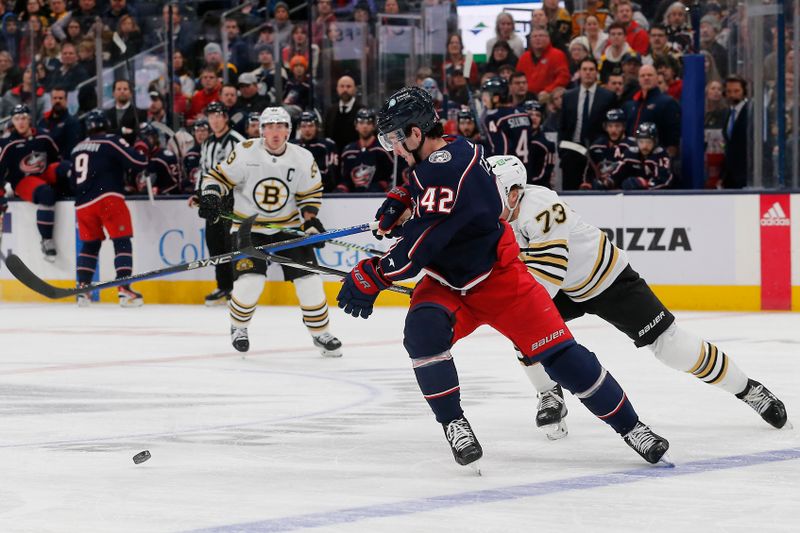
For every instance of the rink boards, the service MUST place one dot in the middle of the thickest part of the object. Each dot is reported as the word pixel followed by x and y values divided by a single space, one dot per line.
pixel 698 251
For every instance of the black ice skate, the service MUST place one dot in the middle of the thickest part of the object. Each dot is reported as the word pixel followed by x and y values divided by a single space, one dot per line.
pixel 218 297
pixel 329 346
pixel 239 339
pixel 49 250
pixel 764 403
pixel 551 412
pixel 651 446
pixel 129 297
pixel 465 446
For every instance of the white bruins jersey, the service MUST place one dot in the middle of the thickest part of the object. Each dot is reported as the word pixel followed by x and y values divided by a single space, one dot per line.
pixel 273 187
pixel 563 252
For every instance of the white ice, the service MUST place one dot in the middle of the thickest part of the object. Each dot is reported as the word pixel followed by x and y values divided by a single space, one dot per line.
pixel 285 440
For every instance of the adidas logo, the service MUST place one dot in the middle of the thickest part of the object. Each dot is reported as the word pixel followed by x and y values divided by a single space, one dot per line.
pixel 775 216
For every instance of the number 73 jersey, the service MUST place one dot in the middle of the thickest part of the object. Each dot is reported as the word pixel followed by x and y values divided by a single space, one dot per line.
pixel 276 188
pixel 563 252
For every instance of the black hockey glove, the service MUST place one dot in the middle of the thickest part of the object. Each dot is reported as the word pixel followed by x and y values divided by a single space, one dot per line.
pixel 311 226
pixel 210 207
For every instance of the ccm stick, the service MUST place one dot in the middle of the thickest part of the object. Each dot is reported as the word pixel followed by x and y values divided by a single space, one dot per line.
pixel 24 274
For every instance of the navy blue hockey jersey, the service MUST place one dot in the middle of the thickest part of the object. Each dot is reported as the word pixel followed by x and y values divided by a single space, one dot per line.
pixel 541 159
pixel 26 156
pixel 607 154
pixel 637 171
pixel 191 166
pixel 327 157
pixel 508 131
pixel 164 167
pixel 365 169
pixel 100 164
pixel 453 233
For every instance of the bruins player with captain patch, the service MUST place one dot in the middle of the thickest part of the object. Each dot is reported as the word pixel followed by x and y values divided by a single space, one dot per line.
pixel 281 184
pixel 585 273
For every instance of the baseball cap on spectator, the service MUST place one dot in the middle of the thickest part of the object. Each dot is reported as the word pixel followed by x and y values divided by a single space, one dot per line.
pixel 247 78
pixel 155 95
pixel 298 60
pixel 631 57
pixel 280 4
pixel 712 21
pixel 212 48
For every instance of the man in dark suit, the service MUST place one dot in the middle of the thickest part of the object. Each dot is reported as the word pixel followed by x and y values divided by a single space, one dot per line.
pixel 735 132
pixel 124 118
pixel 582 115
pixel 340 117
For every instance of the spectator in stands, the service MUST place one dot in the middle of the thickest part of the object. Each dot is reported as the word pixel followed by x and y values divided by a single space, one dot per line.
pixel 156 111
pixel 518 87
pixel 560 27
pixel 74 31
pixel 208 92
pixel 669 67
pixel 265 73
pixel 249 99
pixel 362 13
pixel 716 109
pixel 325 16
pixel 709 30
pixel 180 102
pixel 86 58
pixel 679 32
pixel 616 84
pixel 57 11
pixel 594 9
pixel 124 118
pixel 10 35
pixel 545 66
pixel 598 39
pixel 636 36
pixel 340 117
pixel 184 75
pixel 22 94
pixel 69 73
pixel 458 93
pixel 553 102
pixel 659 45
pixel 366 166
pixel 501 55
pixel 504 32
pixel 611 60
pixel 86 14
pixel 281 23
pixel 115 11
pixel 182 33
pixel 298 46
pixel 538 20
pixel 238 50
pixel 10 74
pixel 212 52
pixel 710 67
pixel 297 90
pixel 49 52
pixel 631 63
pixel 237 117
pixel 32 37
pixel 129 32
pixel 650 105
pixel 455 59
pixel 578 51
pixel 736 134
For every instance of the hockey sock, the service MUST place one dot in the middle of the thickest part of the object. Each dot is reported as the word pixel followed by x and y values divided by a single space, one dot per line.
pixel 578 370
pixel 313 303
pixel 45 197
pixel 123 257
pixel 537 375
pixel 684 351
pixel 438 381
pixel 244 298
pixel 87 260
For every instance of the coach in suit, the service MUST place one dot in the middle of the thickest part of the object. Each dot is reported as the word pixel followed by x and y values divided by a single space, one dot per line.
pixel 340 117
pixel 735 132
pixel 582 115
pixel 124 118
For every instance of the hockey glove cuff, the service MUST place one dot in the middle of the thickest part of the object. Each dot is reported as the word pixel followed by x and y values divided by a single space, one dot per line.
pixel 210 207
pixel 389 213
pixel 361 287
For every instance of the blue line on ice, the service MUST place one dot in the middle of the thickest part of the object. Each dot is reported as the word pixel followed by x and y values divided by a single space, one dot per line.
pixel 503 494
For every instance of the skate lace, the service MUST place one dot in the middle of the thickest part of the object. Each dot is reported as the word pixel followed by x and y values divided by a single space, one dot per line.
pixel 460 434
pixel 758 398
pixel 239 333
pixel 549 400
pixel 325 338
pixel 641 437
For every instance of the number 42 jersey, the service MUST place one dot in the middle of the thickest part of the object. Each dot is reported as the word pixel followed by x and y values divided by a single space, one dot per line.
pixel 561 250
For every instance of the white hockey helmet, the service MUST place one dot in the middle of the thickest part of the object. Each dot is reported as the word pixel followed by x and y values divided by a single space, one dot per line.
pixel 509 172
pixel 275 115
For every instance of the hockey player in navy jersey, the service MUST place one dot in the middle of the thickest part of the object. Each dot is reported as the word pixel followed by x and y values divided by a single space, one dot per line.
pixel 163 167
pixel 467 127
pixel 101 162
pixel 473 276
pixel 191 161
pixel 366 166
pixel 30 163
pixel 324 149
pixel 645 165
pixel 607 152
pixel 508 128
pixel 541 151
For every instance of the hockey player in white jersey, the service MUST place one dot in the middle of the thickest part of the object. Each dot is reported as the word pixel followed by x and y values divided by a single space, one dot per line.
pixel 280 183
pixel 585 273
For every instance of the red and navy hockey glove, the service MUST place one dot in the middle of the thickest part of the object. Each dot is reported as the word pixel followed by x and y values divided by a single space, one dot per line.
pixel 635 183
pixel 361 287
pixel 390 211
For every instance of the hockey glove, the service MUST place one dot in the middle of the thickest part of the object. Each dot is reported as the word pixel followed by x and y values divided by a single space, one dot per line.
pixel 635 183
pixel 390 211
pixel 361 287
pixel 311 226
pixel 3 204
pixel 210 207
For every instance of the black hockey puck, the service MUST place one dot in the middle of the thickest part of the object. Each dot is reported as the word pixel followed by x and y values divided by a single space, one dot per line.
pixel 141 457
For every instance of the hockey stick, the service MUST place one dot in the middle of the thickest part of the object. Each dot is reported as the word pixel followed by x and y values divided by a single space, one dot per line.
pixel 246 246
pixel 582 150
pixel 24 274
pixel 295 231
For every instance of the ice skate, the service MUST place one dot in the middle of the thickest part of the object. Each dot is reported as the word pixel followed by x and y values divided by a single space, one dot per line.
pixel 651 446
pixel 129 297
pixel 49 250
pixel 84 300
pixel 764 403
pixel 218 297
pixel 551 412
pixel 329 346
pixel 463 443
pixel 239 339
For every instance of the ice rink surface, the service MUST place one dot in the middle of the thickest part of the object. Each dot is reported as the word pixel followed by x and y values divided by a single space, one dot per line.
pixel 285 440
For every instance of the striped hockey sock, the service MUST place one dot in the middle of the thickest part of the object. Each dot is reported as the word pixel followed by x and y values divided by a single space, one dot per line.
pixel 313 303
pixel 87 261
pixel 123 257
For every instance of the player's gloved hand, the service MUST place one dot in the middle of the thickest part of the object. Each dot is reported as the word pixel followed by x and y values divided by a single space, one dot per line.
pixel 635 183
pixel 361 287
pixel 311 226
pixel 390 211
pixel 142 147
pixel 210 207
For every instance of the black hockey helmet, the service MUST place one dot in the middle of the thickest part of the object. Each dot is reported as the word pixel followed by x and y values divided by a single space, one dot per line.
pixel 410 106
pixel 615 115
pixel 366 113
pixel 253 118
pixel 496 85
pixel 533 105
pixel 647 130
pixel 309 116
pixel 216 107
pixel 149 134
pixel 202 122
pixel 465 114
pixel 95 120
pixel 20 109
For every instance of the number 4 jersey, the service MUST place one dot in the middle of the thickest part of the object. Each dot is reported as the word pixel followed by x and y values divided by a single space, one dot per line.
pixel 561 250
pixel 276 188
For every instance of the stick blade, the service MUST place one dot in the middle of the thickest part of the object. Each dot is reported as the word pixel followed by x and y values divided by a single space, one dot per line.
pixel 26 276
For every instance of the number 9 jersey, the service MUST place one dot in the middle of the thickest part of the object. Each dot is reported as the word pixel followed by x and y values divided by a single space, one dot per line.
pixel 276 188
pixel 561 250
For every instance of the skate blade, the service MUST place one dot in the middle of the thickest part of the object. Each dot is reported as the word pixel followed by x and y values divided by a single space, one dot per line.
pixel 665 461
pixel 556 431
pixel 332 354
pixel 131 304
pixel 476 467
pixel 788 426
pixel 216 303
